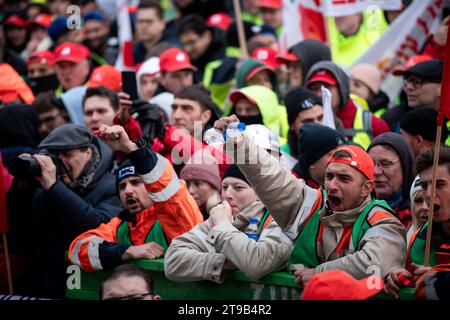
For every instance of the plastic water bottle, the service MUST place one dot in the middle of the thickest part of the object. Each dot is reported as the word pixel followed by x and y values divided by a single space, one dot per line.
pixel 252 229
pixel 215 138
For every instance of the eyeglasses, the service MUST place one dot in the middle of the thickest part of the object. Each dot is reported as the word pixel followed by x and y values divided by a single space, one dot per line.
pixel 385 164
pixel 417 83
pixel 131 296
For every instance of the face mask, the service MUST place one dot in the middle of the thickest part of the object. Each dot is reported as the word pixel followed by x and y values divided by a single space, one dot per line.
pixel 251 119
pixel 43 84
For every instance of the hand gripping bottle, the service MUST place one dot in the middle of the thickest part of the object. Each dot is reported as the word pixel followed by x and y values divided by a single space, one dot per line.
pixel 216 138
pixel 252 229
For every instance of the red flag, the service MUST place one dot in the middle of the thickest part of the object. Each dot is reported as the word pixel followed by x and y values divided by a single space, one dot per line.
pixel 444 107
pixel 312 24
pixel 3 189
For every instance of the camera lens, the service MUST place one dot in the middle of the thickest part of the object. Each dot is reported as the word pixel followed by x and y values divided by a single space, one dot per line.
pixel 24 167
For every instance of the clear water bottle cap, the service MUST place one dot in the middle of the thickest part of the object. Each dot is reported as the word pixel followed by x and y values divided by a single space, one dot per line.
pixel 253 220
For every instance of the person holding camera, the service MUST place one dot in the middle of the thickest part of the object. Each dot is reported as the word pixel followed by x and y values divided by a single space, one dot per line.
pixel 75 192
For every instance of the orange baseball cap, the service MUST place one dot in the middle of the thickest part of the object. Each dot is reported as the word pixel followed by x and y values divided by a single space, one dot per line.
pixel 71 52
pixel 323 76
pixel 339 285
pixel 411 62
pixel 106 76
pixel 43 20
pixel 174 59
pixel 360 160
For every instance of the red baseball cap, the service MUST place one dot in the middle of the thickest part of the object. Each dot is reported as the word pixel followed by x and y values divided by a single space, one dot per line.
pixel 323 76
pixel 174 59
pixel 15 20
pixel 411 62
pixel 106 76
pixel 272 4
pixel 42 57
pixel 220 20
pixel 360 160
pixel 72 52
pixel 43 20
pixel 285 58
pixel 237 95
pixel 258 69
pixel 339 285
pixel 266 55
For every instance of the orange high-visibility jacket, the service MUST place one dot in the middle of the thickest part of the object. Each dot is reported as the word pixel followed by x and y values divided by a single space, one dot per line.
pixel 173 207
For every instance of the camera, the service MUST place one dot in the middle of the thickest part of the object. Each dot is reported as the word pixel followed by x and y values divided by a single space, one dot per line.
pixel 25 167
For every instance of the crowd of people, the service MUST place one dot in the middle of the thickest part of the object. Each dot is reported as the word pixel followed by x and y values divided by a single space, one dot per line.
pixel 98 177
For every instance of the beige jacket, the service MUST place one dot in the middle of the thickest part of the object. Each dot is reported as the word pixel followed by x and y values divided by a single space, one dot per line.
pixel 200 254
pixel 290 200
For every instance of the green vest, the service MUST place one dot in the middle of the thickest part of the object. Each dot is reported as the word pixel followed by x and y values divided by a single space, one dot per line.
pixel 156 234
pixel 417 249
pixel 305 248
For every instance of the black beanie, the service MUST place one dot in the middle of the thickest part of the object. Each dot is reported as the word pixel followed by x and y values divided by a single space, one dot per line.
pixel 316 140
pixel 125 170
pixel 299 99
pixel 234 172
pixel 423 122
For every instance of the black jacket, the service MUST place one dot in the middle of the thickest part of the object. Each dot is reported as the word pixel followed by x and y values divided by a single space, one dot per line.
pixel 44 231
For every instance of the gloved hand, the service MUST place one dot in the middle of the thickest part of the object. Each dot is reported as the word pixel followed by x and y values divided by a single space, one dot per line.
pixel 150 120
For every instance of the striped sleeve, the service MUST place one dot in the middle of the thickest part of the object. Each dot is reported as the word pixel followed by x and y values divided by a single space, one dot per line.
pixel 85 249
pixel 161 182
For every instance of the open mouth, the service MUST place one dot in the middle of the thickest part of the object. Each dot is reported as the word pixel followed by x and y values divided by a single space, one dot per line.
pixel 334 202
pixel 131 201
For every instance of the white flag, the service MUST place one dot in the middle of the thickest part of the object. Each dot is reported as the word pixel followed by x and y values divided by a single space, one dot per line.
pixel 328 116
pixel 403 39
pixel 125 59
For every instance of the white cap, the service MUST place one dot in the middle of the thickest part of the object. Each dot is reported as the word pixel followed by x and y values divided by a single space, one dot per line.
pixel 149 67
pixel 263 137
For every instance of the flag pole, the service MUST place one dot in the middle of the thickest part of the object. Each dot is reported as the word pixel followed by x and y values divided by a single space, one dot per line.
pixel 437 148
pixel 8 265
pixel 240 29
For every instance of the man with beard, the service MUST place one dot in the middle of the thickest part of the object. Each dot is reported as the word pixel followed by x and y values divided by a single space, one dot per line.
pixel 96 31
pixel 158 208
pixel 339 227
pixel 74 192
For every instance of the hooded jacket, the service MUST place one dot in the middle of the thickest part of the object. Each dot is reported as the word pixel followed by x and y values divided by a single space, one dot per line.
pixel 273 115
pixel 341 77
pixel 347 108
pixel 245 68
pixel 18 131
pixel 404 151
pixel 55 218
pixel 309 52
